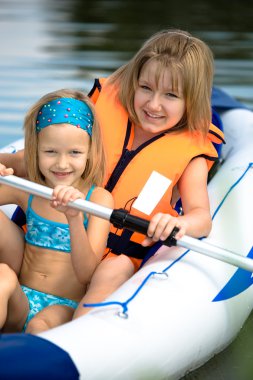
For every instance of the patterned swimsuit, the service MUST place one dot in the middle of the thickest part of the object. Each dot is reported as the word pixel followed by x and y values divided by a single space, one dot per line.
pixel 47 234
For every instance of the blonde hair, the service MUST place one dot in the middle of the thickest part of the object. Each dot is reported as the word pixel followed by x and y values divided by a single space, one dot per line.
pixel 95 167
pixel 189 59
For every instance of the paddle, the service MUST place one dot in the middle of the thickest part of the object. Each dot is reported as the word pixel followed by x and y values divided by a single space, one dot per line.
pixel 120 218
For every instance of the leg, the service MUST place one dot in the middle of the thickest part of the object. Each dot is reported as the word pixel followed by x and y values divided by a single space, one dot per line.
pixel 13 302
pixel 109 275
pixel 11 243
pixel 51 316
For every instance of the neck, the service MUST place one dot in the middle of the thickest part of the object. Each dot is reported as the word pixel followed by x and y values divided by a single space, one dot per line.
pixel 141 136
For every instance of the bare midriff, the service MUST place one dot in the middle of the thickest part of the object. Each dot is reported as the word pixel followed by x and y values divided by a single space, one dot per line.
pixel 50 272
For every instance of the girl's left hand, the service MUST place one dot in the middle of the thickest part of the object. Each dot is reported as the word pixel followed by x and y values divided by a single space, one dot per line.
pixel 5 171
pixel 64 194
pixel 161 226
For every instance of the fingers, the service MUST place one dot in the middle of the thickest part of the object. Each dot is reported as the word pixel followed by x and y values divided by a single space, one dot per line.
pixel 147 241
pixel 62 195
pixel 5 171
pixel 180 233
pixel 161 226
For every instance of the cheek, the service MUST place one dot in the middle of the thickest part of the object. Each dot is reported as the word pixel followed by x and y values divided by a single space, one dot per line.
pixel 40 161
pixel 137 101
pixel 43 163
pixel 181 111
pixel 80 165
pixel 135 105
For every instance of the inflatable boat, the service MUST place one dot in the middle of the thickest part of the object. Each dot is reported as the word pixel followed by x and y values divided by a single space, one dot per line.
pixel 179 310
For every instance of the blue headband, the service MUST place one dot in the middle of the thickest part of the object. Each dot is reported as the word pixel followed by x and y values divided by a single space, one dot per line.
pixel 65 110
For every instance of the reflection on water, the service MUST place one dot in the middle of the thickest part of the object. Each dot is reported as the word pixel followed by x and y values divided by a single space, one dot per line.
pixel 49 45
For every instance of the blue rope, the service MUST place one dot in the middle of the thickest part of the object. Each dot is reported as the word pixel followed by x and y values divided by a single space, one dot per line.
pixel 231 188
pixel 124 305
pixel 175 261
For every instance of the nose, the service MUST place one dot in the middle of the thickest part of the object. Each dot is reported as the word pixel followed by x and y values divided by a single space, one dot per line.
pixel 154 102
pixel 62 162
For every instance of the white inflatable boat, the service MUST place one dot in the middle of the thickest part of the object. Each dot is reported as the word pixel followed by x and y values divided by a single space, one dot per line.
pixel 179 310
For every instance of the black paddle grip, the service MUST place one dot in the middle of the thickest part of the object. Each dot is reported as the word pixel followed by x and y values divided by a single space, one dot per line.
pixel 121 218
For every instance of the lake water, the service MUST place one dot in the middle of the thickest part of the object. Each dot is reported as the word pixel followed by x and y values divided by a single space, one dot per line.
pixel 47 45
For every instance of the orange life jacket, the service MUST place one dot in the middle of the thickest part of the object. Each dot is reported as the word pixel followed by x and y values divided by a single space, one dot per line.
pixel 128 171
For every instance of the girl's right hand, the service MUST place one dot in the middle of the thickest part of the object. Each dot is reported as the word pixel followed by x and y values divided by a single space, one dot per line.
pixel 5 171
pixel 161 226
pixel 64 194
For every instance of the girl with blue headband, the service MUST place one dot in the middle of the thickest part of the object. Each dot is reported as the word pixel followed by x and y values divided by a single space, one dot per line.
pixel 63 246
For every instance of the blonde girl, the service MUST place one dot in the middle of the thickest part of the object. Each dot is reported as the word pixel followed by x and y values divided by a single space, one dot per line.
pixel 63 246
pixel 159 104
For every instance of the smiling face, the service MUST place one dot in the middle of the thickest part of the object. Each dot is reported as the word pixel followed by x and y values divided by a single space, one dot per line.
pixel 62 154
pixel 158 106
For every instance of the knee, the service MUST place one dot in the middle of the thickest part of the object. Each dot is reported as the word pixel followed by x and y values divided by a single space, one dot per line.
pixel 8 278
pixel 6 272
pixel 116 270
pixel 37 325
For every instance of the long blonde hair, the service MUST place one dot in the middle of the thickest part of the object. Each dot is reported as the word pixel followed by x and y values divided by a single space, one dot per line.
pixel 189 59
pixel 95 167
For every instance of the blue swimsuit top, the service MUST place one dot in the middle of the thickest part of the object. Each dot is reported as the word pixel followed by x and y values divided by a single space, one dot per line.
pixel 46 233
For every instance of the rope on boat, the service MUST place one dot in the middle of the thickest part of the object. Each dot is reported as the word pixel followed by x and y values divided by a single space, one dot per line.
pixel 231 188
pixel 124 305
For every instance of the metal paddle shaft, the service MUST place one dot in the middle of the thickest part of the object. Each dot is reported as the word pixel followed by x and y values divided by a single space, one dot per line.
pixel 120 218
pixel 46 192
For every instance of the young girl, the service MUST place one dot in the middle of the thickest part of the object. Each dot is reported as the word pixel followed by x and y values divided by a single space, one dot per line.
pixel 155 118
pixel 158 107
pixel 63 246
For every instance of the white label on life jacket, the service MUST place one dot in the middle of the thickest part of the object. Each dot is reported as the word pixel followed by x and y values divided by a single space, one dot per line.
pixel 151 193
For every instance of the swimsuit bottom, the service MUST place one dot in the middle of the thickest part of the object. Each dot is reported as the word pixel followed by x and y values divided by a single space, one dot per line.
pixel 39 300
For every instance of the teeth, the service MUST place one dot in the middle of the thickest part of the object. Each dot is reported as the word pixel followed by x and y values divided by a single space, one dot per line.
pixel 154 116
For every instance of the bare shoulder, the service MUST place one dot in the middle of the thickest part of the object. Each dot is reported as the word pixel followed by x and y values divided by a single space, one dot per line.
pixel 102 197
pixel 196 170
pixel 198 162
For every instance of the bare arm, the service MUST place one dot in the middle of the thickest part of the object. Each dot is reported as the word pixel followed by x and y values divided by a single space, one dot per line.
pixel 15 161
pixel 196 221
pixel 87 247
pixel 10 195
pixel 195 201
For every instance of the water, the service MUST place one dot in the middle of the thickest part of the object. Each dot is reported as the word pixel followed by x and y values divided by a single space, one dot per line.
pixel 47 45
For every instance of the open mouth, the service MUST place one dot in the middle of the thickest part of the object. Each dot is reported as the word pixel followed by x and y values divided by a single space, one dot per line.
pixel 61 174
pixel 152 115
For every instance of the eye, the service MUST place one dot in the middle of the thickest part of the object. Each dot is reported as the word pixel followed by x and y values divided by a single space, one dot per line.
pixel 75 152
pixel 50 151
pixel 144 87
pixel 172 95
